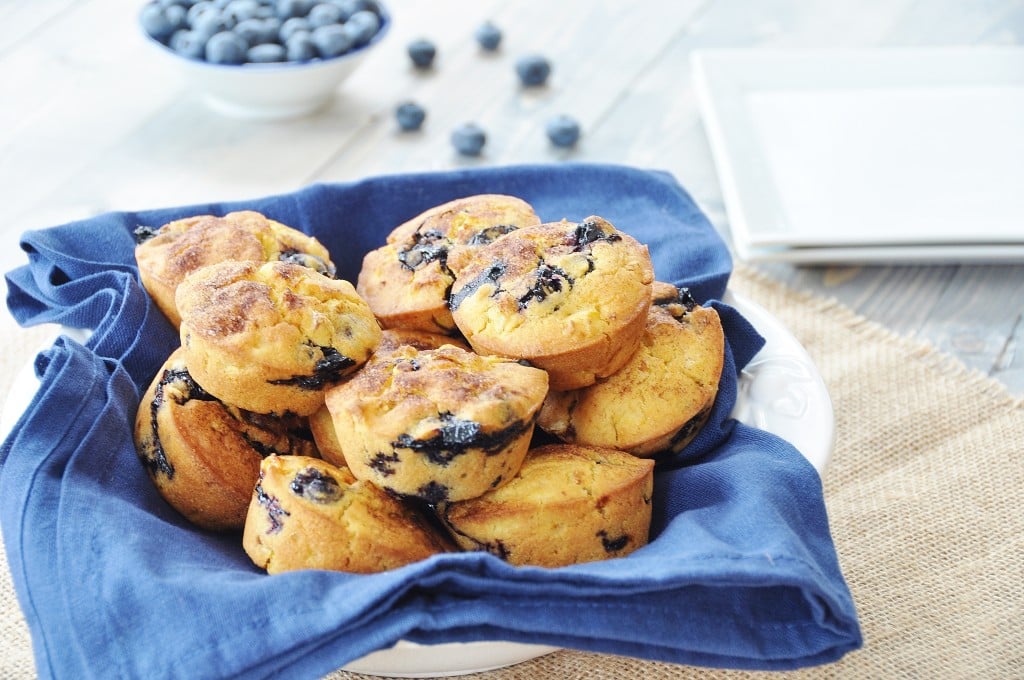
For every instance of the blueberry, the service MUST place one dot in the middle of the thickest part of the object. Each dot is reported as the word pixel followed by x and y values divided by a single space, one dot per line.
pixel 300 47
pixel 422 53
pixel 209 22
pixel 177 15
pixel 198 9
pixel 469 139
pixel 293 8
pixel 347 7
pixel 293 24
pixel 240 10
pixel 533 70
pixel 488 35
pixel 188 44
pixel 410 115
pixel 267 53
pixel 155 22
pixel 363 25
pixel 368 5
pixel 324 13
pixel 562 130
pixel 271 30
pixel 332 40
pixel 226 48
pixel 251 31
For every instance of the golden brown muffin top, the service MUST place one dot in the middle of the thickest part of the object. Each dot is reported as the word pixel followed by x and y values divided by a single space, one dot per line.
pixel 558 283
pixel 559 474
pixel 279 315
pixel 447 396
pixel 479 218
pixel 671 379
pixel 407 280
pixel 335 521
pixel 182 246
pixel 394 338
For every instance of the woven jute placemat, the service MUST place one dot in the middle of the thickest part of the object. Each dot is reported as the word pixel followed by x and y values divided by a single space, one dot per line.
pixel 925 491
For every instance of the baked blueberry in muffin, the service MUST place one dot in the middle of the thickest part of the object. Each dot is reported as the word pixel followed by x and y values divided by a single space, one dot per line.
pixel 321 423
pixel 661 398
pixel 306 513
pixel 571 298
pixel 270 337
pixel 203 455
pixel 165 256
pixel 406 281
pixel 437 425
pixel 567 504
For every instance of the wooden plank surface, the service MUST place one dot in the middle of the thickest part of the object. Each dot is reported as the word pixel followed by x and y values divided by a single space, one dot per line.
pixel 92 120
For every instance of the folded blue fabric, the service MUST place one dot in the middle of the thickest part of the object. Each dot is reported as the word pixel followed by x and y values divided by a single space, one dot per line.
pixel 741 571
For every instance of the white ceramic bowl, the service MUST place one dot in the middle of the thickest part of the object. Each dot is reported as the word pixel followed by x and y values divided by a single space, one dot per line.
pixel 270 91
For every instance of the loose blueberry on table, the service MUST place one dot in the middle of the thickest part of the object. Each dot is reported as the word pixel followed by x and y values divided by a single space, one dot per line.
pixel 562 130
pixel 533 70
pixel 422 52
pixel 261 31
pixel 488 36
pixel 410 115
pixel 469 139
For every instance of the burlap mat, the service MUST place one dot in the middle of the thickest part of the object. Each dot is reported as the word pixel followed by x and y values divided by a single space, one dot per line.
pixel 925 493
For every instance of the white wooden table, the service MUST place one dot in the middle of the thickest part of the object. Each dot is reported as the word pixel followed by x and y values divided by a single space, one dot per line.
pixel 92 121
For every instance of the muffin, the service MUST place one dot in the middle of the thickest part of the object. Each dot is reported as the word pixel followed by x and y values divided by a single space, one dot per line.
pixel 568 504
pixel 204 456
pixel 661 398
pixel 437 425
pixel 308 514
pixel 165 256
pixel 392 339
pixel 407 280
pixel 321 424
pixel 569 298
pixel 269 337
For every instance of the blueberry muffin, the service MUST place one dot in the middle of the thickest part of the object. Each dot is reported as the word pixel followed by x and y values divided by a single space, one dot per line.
pixel 407 280
pixel 305 513
pixel 321 424
pixel 437 425
pixel 392 339
pixel 269 337
pixel 165 256
pixel 204 456
pixel 663 395
pixel 571 298
pixel 568 504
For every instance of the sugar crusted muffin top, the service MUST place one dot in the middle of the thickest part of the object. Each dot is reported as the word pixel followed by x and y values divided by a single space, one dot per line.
pixel 437 424
pixel 407 280
pixel 552 290
pixel 167 255
pixel 268 337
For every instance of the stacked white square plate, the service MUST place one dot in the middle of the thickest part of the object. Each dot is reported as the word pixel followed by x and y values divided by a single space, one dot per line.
pixel 868 155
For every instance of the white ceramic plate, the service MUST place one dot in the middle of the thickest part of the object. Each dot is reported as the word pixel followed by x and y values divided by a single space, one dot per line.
pixel 868 154
pixel 780 391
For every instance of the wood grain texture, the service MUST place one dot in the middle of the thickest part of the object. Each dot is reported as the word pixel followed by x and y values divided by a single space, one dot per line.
pixel 95 120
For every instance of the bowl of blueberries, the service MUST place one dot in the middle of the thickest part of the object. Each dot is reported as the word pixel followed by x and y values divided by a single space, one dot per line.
pixel 265 59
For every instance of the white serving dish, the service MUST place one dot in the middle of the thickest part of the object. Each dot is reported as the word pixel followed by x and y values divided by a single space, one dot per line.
pixel 779 391
pixel 269 92
pixel 862 155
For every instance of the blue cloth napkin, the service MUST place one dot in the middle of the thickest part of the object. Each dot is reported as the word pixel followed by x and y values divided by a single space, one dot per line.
pixel 741 571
